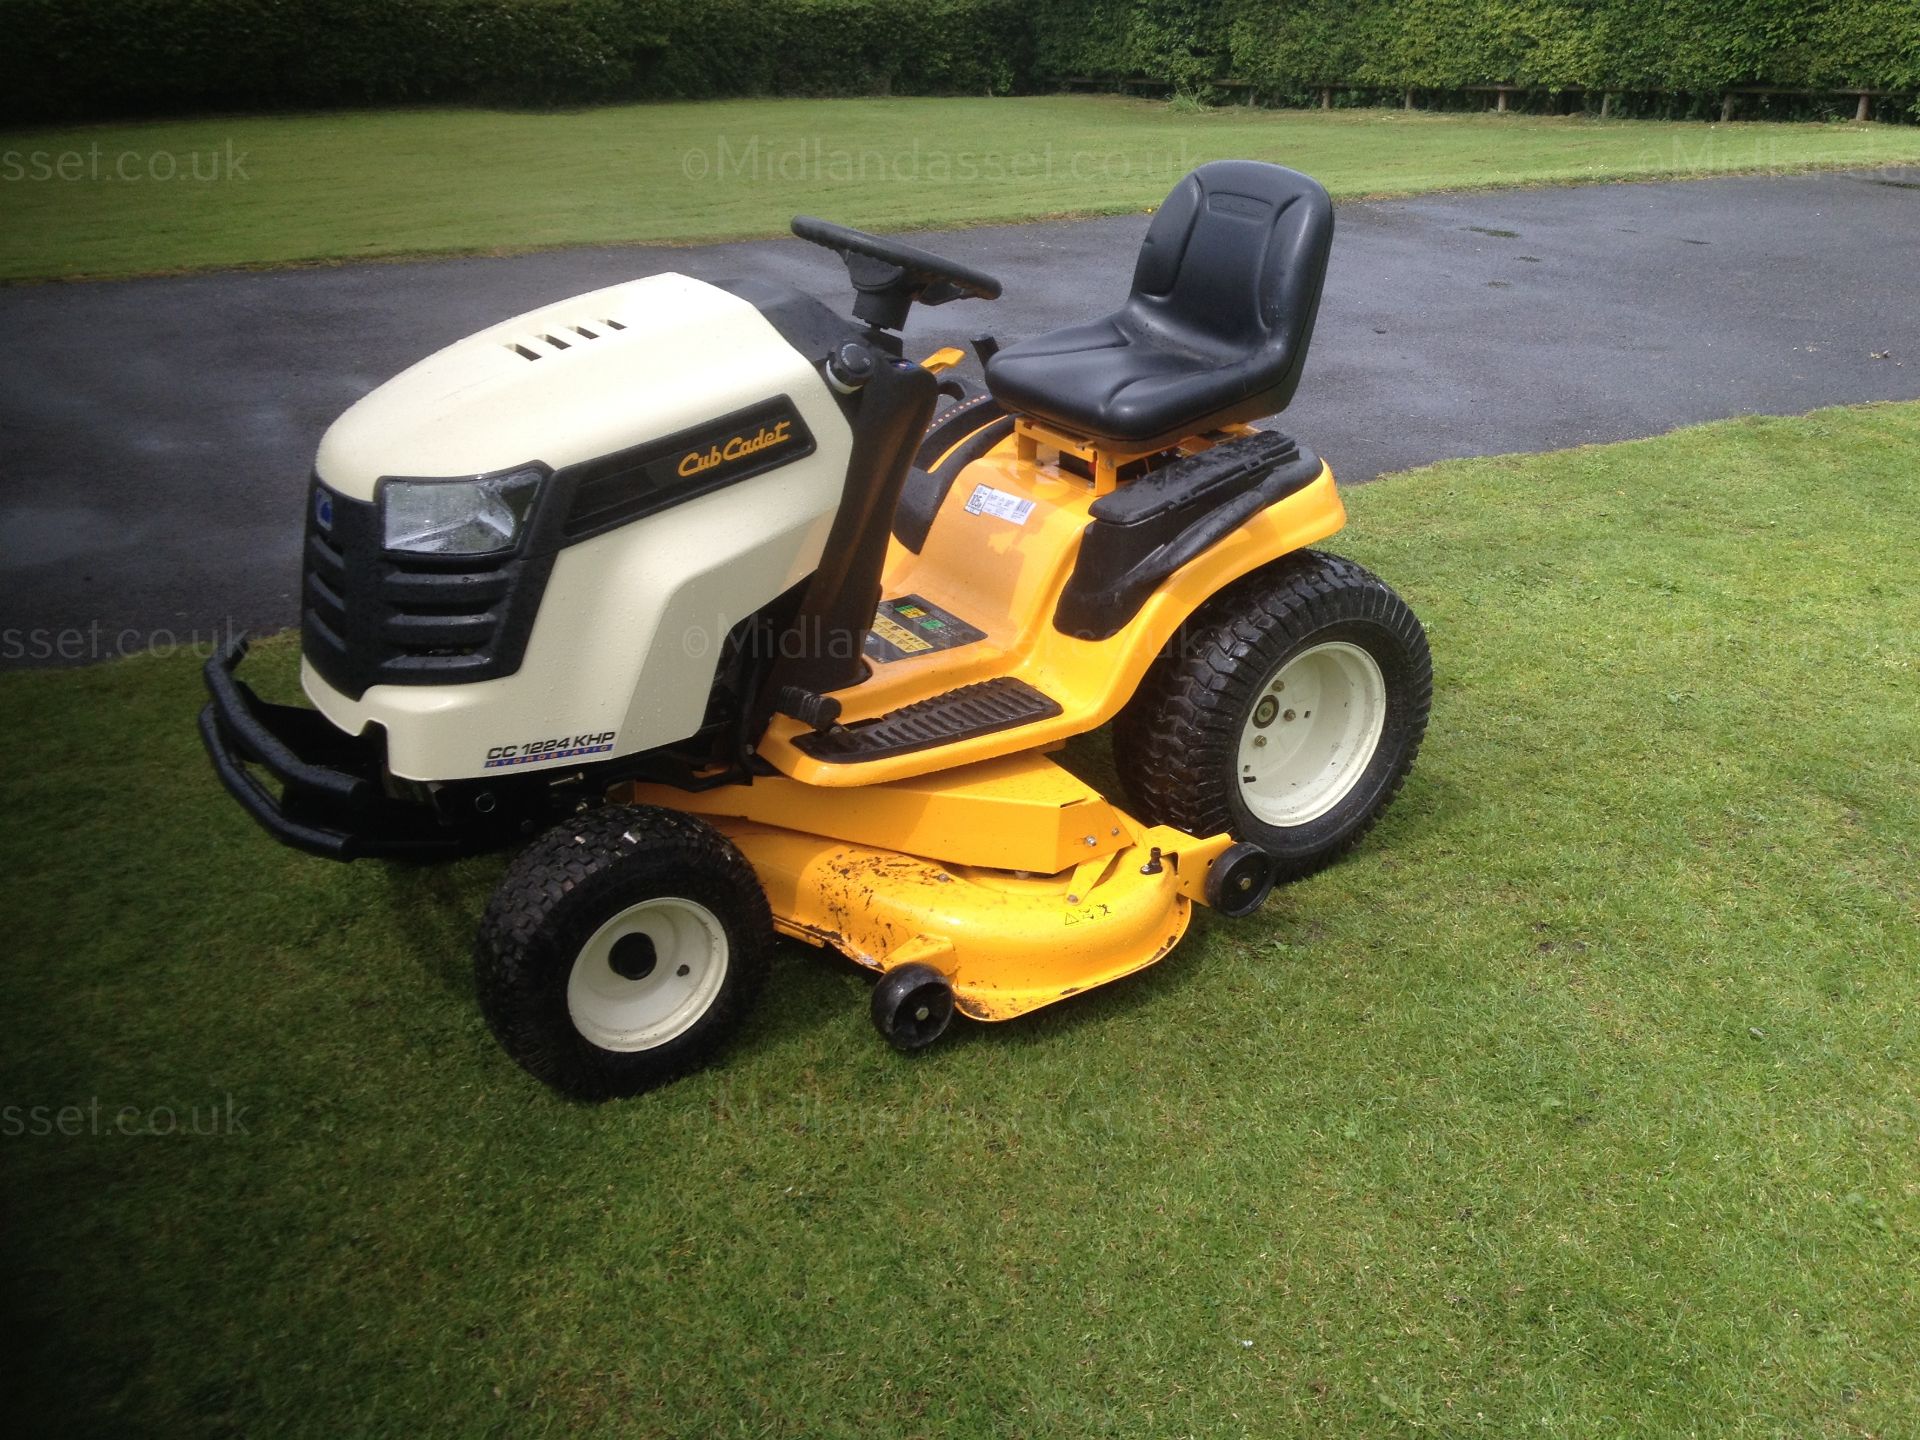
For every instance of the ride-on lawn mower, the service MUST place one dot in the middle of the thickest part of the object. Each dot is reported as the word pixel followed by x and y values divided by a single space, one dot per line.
pixel 692 582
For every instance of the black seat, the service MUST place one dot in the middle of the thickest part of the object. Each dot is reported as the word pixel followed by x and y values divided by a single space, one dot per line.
pixel 1216 329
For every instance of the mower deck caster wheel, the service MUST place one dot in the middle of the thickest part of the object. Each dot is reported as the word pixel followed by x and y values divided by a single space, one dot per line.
pixel 1239 882
pixel 912 1006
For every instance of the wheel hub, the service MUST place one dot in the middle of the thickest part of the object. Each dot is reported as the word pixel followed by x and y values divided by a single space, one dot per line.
pixel 1311 734
pixel 633 957
pixel 648 974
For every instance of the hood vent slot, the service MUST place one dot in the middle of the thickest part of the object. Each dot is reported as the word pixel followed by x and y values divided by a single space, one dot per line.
pixel 541 344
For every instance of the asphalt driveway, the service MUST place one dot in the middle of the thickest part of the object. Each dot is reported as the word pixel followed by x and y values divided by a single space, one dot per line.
pixel 156 435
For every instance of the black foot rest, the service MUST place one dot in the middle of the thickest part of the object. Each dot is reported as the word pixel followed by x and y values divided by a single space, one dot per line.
pixel 978 709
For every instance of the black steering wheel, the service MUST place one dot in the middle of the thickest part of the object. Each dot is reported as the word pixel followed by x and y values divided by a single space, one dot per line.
pixel 890 276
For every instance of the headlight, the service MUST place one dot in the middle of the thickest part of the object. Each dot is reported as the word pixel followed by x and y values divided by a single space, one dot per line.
pixel 457 517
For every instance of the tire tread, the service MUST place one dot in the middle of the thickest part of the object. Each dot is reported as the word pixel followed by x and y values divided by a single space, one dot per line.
pixel 521 950
pixel 1183 723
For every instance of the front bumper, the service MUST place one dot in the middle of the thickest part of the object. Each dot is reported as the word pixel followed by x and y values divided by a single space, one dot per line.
pixel 333 800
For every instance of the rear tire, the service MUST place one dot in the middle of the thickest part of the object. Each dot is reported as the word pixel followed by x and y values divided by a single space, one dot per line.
pixel 1286 712
pixel 621 950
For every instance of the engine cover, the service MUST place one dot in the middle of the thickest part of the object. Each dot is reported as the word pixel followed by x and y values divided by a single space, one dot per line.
pixel 695 459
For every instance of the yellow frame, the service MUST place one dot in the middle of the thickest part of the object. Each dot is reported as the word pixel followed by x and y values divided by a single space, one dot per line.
pixel 1005 578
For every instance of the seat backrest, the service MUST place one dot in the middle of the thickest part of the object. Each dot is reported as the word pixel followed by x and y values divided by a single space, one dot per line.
pixel 1234 262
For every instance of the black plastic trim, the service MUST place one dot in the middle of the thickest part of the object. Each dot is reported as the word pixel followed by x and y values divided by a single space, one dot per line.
pixel 982 708
pixel 954 424
pixel 332 803
pixel 328 842
pixel 821 649
pixel 974 427
pixel 807 324
pixel 609 491
pixel 1152 526
pixel 370 616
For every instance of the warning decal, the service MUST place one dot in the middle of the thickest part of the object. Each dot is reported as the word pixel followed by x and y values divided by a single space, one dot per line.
pixel 913 626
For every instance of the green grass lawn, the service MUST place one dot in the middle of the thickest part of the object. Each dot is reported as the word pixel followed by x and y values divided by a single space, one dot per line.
pixel 1580 1101
pixel 278 190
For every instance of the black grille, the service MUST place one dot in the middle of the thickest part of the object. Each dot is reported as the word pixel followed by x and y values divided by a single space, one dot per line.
pixel 369 618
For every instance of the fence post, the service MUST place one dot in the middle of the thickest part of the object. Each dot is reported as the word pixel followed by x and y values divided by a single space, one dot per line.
pixel 1606 104
pixel 1407 102
pixel 1326 97
pixel 1501 107
pixel 1726 107
pixel 1862 112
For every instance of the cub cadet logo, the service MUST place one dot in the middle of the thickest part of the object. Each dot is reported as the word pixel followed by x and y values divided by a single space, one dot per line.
pixel 558 747
pixel 694 462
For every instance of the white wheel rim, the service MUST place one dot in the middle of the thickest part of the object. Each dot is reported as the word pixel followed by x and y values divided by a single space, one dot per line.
pixel 1311 733
pixel 648 974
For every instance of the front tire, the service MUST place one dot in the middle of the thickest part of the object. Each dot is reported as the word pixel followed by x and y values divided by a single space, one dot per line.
pixel 1287 712
pixel 621 950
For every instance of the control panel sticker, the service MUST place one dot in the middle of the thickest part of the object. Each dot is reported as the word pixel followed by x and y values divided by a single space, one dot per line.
pixel 1000 504
pixel 913 626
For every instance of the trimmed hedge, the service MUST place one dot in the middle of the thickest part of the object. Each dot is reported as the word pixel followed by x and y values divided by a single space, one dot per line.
pixel 838 47
pixel 95 57
pixel 1291 47
pixel 85 58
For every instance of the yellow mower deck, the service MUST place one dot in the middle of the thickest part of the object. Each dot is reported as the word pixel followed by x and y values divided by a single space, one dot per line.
pixel 1013 878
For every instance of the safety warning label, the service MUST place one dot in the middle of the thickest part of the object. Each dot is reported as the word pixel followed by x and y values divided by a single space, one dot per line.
pixel 913 626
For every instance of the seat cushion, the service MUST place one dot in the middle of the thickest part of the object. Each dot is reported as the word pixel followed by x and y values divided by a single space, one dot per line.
pixel 1111 381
